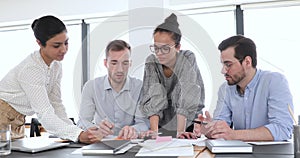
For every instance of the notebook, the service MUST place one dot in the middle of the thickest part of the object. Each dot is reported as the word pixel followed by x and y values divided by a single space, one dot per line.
pixel 105 147
pixel 228 146
pixel 36 144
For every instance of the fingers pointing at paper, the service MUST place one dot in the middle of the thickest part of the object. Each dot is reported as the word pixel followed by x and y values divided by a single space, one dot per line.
pixel 128 132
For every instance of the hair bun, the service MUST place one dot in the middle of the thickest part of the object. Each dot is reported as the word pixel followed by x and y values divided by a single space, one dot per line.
pixel 171 24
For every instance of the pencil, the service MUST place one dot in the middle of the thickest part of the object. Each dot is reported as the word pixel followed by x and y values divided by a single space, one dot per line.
pixel 292 114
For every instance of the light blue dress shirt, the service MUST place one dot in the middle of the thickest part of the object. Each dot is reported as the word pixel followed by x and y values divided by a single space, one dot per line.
pixel 99 101
pixel 264 103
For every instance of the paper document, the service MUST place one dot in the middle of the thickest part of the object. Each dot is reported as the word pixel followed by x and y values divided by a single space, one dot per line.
pixel 112 137
pixel 269 142
pixel 123 150
pixel 200 141
pixel 105 147
pixel 175 147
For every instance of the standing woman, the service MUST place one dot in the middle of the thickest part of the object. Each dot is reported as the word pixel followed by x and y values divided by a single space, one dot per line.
pixel 173 91
pixel 33 86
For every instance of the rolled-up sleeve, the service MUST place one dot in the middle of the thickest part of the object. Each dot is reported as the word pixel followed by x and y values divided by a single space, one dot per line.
pixel 281 122
pixel 190 87
pixel 153 98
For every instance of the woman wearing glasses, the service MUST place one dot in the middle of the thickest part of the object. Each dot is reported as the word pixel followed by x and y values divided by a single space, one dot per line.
pixel 173 92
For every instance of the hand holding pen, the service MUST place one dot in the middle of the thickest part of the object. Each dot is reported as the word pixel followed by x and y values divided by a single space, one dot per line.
pixel 200 124
pixel 106 127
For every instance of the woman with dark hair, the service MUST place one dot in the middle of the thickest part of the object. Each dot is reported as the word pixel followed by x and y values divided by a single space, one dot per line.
pixel 33 87
pixel 173 91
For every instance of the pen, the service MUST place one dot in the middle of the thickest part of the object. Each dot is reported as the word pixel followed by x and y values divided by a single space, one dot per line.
pixel 200 122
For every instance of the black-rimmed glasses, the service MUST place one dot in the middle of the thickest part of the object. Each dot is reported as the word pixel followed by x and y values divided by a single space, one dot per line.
pixel 165 49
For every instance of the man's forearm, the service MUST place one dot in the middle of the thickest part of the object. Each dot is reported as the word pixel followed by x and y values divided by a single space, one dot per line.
pixel 260 133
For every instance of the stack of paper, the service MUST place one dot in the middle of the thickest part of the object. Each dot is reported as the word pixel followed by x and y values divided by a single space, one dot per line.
pixel 175 147
pixel 269 142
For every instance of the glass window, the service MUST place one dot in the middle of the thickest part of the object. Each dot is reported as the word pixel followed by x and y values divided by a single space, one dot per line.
pixel 70 72
pixel 276 34
pixel 16 45
pixel 218 26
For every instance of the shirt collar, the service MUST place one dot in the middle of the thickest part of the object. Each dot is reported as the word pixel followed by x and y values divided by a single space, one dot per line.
pixel 251 84
pixel 38 56
pixel 254 80
pixel 107 85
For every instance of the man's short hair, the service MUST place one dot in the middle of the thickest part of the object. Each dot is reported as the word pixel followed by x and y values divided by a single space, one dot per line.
pixel 116 45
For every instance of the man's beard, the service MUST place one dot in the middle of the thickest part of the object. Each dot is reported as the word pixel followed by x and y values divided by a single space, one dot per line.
pixel 235 79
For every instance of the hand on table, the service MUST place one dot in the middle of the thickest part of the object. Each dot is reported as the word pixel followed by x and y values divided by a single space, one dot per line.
pixel 128 132
pixel 186 135
pixel 91 135
pixel 220 129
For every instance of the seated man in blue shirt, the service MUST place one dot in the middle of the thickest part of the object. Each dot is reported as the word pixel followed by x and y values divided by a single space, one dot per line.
pixel 110 101
pixel 255 102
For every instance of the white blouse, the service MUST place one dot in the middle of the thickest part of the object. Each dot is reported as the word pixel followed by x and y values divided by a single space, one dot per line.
pixel 33 87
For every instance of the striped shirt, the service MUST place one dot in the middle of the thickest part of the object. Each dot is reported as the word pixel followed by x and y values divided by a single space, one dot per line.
pixel 32 87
